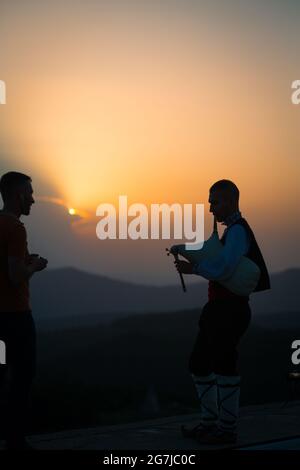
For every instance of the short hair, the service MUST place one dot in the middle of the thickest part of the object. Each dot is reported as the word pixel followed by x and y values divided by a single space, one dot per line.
pixel 10 181
pixel 226 185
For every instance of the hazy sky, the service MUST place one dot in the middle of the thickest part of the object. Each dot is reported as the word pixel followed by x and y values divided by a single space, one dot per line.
pixel 155 100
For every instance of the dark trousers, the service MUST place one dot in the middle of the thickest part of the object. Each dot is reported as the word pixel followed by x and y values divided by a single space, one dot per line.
pixel 17 330
pixel 221 325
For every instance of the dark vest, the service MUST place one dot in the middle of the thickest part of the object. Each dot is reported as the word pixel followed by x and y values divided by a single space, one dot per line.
pixel 254 254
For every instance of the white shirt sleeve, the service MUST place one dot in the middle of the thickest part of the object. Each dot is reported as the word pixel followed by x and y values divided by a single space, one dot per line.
pixel 220 268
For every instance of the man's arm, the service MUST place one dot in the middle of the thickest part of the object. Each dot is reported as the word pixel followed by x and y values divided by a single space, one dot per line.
pixel 19 270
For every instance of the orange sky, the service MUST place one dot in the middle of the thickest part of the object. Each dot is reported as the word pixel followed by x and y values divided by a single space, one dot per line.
pixel 153 103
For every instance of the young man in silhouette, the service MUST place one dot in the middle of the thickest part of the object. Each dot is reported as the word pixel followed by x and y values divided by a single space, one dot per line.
pixel 17 329
pixel 224 319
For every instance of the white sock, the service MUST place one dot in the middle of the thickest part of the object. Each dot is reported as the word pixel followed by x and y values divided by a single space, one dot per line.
pixel 229 397
pixel 206 387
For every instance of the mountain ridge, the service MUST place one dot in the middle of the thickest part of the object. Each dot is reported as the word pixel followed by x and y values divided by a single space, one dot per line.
pixel 70 292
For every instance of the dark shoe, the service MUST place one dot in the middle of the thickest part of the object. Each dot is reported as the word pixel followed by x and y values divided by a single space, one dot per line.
pixel 219 437
pixel 198 430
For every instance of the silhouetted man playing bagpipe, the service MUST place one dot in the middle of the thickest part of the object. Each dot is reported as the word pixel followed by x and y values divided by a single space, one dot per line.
pixel 224 319
pixel 17 328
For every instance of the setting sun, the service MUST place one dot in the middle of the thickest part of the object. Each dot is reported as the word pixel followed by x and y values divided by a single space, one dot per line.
pixel 72 211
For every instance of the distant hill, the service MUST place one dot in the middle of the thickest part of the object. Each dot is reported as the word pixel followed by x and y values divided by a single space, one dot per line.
pixel 136 366
pixel 67 296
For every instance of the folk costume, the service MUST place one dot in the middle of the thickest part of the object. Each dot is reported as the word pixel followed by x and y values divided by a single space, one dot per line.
pixel 224 319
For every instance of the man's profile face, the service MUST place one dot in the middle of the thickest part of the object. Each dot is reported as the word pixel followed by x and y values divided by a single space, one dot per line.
pixel 25 196
pixel 220 204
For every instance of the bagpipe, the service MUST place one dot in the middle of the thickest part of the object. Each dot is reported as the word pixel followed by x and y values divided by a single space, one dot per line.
pixel 242 281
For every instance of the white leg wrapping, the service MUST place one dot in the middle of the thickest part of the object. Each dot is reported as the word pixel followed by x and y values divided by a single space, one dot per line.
pixel 206 387
pixel 229 397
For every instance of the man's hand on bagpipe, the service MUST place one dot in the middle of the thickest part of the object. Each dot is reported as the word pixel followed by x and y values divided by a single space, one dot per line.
pixel 182 266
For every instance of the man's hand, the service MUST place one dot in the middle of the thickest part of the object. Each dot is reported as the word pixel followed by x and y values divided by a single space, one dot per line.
pixel 184 267
pixel 174 250
pixel 37 263
pixel 20 272
pixel 32 256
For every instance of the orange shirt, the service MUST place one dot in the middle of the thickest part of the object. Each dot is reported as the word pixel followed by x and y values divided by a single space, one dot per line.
pixel 13 242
